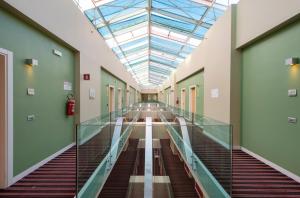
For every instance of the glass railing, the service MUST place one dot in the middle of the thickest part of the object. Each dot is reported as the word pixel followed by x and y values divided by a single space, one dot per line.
pixel 161 183
pixel 206 146
pixel 99 143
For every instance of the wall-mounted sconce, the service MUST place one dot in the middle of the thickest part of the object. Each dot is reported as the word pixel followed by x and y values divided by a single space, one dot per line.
pixel 57 52
pixel 292 61
pixel 32 62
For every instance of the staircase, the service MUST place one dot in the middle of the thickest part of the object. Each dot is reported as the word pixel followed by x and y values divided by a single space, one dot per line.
pixel 252 178
pixel 117 183
pixel 182 185
pixel 141 163
pixel 55 179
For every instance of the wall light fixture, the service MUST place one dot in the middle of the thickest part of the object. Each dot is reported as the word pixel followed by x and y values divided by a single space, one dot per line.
pixel 292 61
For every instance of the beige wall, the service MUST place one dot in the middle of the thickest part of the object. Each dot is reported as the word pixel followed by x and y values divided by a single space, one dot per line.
pixel 219 59
pixel 256 17
pixel 214 56
pixel 63 19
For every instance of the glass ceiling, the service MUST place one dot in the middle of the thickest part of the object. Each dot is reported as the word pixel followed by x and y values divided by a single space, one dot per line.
pixel 152 37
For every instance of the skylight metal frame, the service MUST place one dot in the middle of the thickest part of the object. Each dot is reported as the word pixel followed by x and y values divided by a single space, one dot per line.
pixel 122 24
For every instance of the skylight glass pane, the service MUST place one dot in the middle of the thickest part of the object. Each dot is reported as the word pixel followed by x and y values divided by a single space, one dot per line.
pixel 128 23
pixel 204 2
pixel 201 31
pixel 124 37
pixel 136 49
pixel 104 31
pixel 84 4
pixel 194 42
pixel 111 43
pixel 136 42
pixel 173 23
pixel 160 31
pixel 161 66
pixel 177 27
pixel 137 55
pixel 123 60
pixel 179 60
pixel 102 2
pixel 178 37
pixel 140 31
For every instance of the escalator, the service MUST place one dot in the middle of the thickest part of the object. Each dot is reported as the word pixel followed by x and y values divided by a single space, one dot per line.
pixel 182 184
pixel 116 185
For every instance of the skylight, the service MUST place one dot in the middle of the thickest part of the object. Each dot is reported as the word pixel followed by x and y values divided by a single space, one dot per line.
pixel 152 37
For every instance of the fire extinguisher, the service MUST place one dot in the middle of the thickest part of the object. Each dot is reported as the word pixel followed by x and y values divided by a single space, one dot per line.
pixel 70 106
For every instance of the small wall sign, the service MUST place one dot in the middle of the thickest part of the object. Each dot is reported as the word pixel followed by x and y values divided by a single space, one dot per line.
pixel 214 93
pixel 86 77
pixel 67 86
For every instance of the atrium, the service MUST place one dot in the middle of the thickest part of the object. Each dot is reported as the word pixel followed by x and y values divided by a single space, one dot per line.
pixel 149 98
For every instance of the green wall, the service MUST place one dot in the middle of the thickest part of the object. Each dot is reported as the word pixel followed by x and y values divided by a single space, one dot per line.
pixel 196 79
pixel 106 80
pixel 51 130
pixel 166 93
pixel 132 95
pixel 265 102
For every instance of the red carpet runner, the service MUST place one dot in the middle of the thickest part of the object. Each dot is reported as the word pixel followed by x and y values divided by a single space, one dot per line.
pixel 55 179
pixel 252 178
pixel 116 185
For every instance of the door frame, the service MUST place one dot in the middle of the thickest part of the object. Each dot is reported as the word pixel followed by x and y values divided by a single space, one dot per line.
pixel 9 116
pixel 181 93
pixel 120 98
pixel 190 98
pixel 113 99
pixel 127 98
